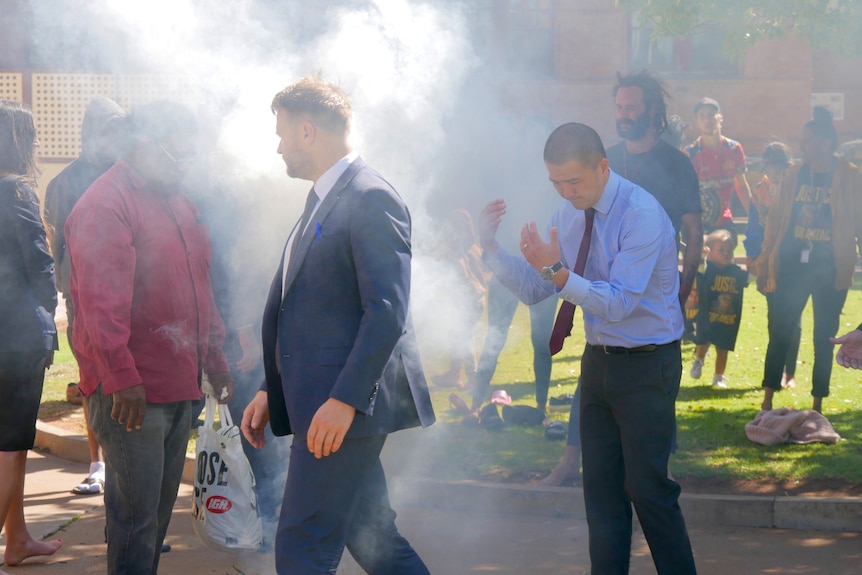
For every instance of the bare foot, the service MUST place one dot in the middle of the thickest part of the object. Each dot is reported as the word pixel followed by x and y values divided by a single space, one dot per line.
pixel 562 473
pixel 15 554
pixel 818 405
pixel 788 381
pixel 768 392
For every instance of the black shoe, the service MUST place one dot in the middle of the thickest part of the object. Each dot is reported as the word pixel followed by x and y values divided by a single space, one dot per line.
pixel 489 418
pixel 564 400
pixel 523 415
pixel 557 431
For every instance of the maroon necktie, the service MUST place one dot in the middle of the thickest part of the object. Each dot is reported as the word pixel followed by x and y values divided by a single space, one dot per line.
pixel 566 315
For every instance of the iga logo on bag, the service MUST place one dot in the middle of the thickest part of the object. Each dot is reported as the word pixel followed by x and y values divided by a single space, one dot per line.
pixel 218 504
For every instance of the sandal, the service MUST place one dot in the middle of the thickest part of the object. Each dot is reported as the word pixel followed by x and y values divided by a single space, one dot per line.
pixel 457 404
pixel 90 486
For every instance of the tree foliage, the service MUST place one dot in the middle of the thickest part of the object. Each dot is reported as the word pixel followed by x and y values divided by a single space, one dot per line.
pixel 832 24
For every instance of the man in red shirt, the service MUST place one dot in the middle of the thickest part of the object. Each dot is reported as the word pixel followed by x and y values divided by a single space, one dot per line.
pixel 146 326
pixel 720 166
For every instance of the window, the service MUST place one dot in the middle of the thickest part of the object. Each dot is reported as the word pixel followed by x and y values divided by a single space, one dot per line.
pixel 515 34
pixel 699 54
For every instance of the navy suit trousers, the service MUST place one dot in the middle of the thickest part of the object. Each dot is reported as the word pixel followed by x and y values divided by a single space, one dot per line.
pixel 336 502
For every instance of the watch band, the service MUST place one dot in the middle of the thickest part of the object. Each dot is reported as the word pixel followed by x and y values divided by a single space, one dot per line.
pixel 548 272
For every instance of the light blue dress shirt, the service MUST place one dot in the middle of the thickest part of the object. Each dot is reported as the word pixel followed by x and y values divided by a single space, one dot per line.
pixel 629 291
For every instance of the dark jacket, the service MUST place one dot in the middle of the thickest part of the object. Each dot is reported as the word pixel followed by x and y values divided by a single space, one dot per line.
pixel 342 328
pixel 28 297
pixel 68 186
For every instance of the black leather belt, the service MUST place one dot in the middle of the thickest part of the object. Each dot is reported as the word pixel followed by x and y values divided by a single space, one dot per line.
pixel 613 349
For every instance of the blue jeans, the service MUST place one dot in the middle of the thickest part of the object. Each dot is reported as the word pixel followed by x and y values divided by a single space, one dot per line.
pixel 269 463
pixel 501 309
pixel 143 470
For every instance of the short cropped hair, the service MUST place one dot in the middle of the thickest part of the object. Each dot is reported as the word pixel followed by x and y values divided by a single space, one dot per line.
pixel 574 141
pixel 325 103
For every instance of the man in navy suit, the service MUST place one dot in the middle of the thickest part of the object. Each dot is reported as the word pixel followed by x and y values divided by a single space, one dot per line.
pixel 340 356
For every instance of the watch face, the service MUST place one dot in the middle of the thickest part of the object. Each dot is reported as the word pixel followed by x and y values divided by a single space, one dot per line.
pixel 548 272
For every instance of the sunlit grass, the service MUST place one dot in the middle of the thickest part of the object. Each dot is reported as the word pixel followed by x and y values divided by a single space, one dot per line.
pixel 712 442
pixel 711 422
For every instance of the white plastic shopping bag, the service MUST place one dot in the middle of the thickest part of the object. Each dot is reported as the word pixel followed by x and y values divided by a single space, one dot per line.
pixel 224 510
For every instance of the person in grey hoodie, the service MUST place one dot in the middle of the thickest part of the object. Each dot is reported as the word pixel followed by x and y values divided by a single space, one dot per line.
pixel 101 143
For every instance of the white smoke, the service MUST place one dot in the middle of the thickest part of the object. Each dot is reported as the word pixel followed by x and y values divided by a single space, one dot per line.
pixel 428 114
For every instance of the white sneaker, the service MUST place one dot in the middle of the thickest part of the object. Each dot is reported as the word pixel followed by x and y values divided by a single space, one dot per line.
pixel 696 368
pixel 719 381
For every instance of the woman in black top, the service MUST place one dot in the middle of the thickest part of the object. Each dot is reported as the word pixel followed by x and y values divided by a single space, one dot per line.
pixel 28 337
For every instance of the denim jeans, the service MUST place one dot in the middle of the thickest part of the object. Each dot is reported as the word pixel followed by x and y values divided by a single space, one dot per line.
pixel 501 309
pixel 143 472
pixel 269 463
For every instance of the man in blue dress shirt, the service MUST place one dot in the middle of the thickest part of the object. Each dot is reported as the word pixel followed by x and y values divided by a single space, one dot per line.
pixel 631 365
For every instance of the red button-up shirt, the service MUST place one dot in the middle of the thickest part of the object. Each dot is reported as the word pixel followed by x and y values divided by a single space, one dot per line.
pixel 140 285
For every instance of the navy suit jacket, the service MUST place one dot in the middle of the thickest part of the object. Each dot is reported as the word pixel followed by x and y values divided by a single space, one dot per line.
pixel 340 323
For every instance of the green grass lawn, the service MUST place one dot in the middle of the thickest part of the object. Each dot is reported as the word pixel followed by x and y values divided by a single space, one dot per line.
pixel 712 442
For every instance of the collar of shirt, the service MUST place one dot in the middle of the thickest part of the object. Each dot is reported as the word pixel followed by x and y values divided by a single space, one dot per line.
pixel 325 182
pixel 322 187
pixel 603 206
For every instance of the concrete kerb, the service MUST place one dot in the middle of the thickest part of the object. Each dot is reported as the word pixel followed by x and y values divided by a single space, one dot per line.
pixel 785 512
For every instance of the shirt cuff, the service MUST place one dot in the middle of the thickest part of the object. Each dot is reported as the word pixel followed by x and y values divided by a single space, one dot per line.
pixel 576 289
pixel 120 380
pixel 216 362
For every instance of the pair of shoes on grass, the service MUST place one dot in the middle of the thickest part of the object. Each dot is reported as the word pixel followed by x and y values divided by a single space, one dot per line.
pixel 561 402
pixel 718 380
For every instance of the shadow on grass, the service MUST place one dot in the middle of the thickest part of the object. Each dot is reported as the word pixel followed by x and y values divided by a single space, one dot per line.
pixel 713 444
pixel 697 393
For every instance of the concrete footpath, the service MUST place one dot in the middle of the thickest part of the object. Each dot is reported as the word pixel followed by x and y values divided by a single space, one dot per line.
pixel 469 527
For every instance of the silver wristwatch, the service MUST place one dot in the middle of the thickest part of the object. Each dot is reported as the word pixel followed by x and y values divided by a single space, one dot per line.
pixel 548 272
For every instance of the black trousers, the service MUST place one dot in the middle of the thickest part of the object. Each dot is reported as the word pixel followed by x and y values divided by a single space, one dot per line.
pixel 627 427
pixel 796 282
pixel 336 502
